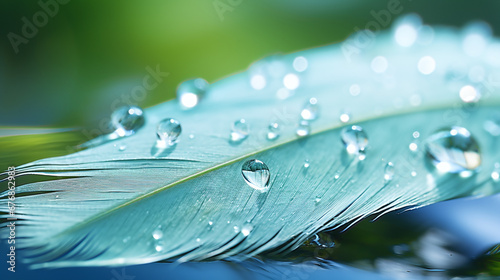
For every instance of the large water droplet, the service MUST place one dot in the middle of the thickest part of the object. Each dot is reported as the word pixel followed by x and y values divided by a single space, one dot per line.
pixel 239 131
pixel 256 174
pixel 355 139
pixel 126 120
pixel 310 110
pixel 168 131
pixel 389 171
pixel 453 150
pixel 190 92
pixel 273 131
pixel 303 129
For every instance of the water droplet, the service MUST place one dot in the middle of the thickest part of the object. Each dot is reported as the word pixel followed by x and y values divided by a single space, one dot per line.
pixel 258 82
pixel 306 164
pixel 317 199
pixel 336 176
pixel 191 136
pixel 273 131
pixel 291 81
pixel 413 173
pixel 246 229
pixel 236 229
pixel 210 223
pixel 127 120
pixel 495 174
pixel 453 150
pixel 355 139
pixel 190 92
pixel 303 129
pixel 158 248
pixel 310 110
pixel 389 171
pixel 168 131
pixel 416 134
pixel 345 117
pixel 354 90
pixel 122 148
pixel 157 234
pixel 379 64
pixel 126 239
pixel 239 131
pixel 300 64
pixel 426 65
pixel 256 174
pixel 198 240
pixel 469 94
pixel 413 147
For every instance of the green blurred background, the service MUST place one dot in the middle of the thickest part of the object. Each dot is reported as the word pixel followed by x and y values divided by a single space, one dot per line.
pixel 91 53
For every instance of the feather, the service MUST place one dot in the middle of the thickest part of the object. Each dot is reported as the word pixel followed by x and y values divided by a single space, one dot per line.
pixel 106 207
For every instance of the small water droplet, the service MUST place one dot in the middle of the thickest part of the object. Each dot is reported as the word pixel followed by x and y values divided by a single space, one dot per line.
pixel 310 110
pixel 345 117
pixel 168 131
pixel 122 148
pixel 57 196
pixel 236 229
pixel 273 131
pixel 246 229
pixel 158 248
pixel 413 173
pixel 413 147
pixel 256 174
pixel 453 150
pixel 189 93
pixel 191 136
pixel 303 129
pixel 157 234
pixel 355 139
pixel 239 131
pixel 300 64
pixel 317 199
pixel 495 174
pixel 336 176
pixel 416 134
pixel 306 164
pixel 469 94
pixel 210 223
pixel 127 120
pixel 198 240
pixel 389 171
